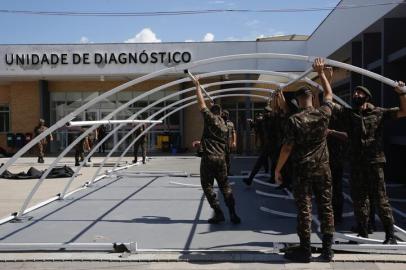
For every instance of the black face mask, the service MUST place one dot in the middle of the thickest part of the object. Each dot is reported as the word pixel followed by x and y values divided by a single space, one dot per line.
pixel 358 101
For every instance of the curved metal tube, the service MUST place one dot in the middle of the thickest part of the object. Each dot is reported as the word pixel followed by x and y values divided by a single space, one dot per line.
pixel 172 112
pixel 162 110
pixel 138 113
pixel 89 130
pixel 180 68
pixel 288 75
pixel 70 116
pixel 274 73
pixel 187 105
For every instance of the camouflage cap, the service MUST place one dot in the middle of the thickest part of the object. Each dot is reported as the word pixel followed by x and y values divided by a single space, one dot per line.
pixel 365 90
pixel 304 90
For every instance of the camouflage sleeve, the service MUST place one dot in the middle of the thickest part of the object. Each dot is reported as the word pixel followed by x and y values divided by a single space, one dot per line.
pixel 208 116
pixel 327 108
pixel 390 113
pixel 290 132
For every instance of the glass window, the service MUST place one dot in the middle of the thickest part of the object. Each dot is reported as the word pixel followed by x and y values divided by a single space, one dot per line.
pixel 4 118
pixel 124 96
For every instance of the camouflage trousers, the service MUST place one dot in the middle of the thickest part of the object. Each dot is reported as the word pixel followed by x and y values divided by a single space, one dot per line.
pixel 228 159
pixel 338 198
pixel 143 150
pixel 41 147
pixel 318 181
pixel 366 180
pixel 215 168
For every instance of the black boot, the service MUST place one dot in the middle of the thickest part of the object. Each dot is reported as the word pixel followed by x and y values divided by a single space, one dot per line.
pixel 218 216
pixel 39 159
pixel 234 218
pixel 363 231
pixel 327 253
pixel 301 253
pixel 247 181
pixel 390 237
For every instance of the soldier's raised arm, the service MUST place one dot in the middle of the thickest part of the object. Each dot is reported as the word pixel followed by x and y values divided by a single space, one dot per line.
pixel 402 99
pixel 200 99
pixel 319 67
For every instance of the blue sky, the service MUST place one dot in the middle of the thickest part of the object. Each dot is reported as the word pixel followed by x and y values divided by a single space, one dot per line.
pixel 31 29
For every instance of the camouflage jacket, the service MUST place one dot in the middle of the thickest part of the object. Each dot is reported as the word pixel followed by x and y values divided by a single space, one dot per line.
pixel 306 131
pixel 214 138
pixel 365 131
pixel 231 130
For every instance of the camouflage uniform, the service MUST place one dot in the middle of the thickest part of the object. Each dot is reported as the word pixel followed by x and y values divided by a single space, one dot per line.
pixel 365 134
pixel 277 131
pixel 42 144
pixel 231 130
pixel 306 131
pixel 261 127
pixel 140 142
pixel 213 164
pixel 80 148
pixel 337 151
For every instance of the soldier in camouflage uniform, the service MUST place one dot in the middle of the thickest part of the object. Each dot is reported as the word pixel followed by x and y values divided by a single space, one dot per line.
pixel 42 144
pixel 231 138
pixel 141 142
pixel 305 139
pixel 213 163
pixel 337 148
pixel 365 132
pixel 81 147
pixel 262 132
pixel 337 145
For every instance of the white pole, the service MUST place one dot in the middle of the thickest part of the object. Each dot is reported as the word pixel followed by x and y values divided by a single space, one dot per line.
pixel 179 68
pixel 104 122
pixel 172 95
pixel 163 110
pixel 298 78
pixel 202 87
pixel 273 73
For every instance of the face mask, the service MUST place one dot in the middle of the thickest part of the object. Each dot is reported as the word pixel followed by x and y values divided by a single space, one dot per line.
pixel 358 101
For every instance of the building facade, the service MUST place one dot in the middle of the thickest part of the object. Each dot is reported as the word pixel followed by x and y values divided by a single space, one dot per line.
pixel 50 81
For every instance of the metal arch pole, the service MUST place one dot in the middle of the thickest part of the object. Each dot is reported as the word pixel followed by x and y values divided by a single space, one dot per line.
pixel 72 115
pixel 157 113
pixel 83 135
pixel 103 122
pixel 78 139
pixel 145 109
pixel 166 108
pixel 180 92
pixel 88 131
pixel 187 105
pixel 69 117
pixel 288 75
pixel 180 68
pixel 364 72
pixel 152 75
pixel 298 78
